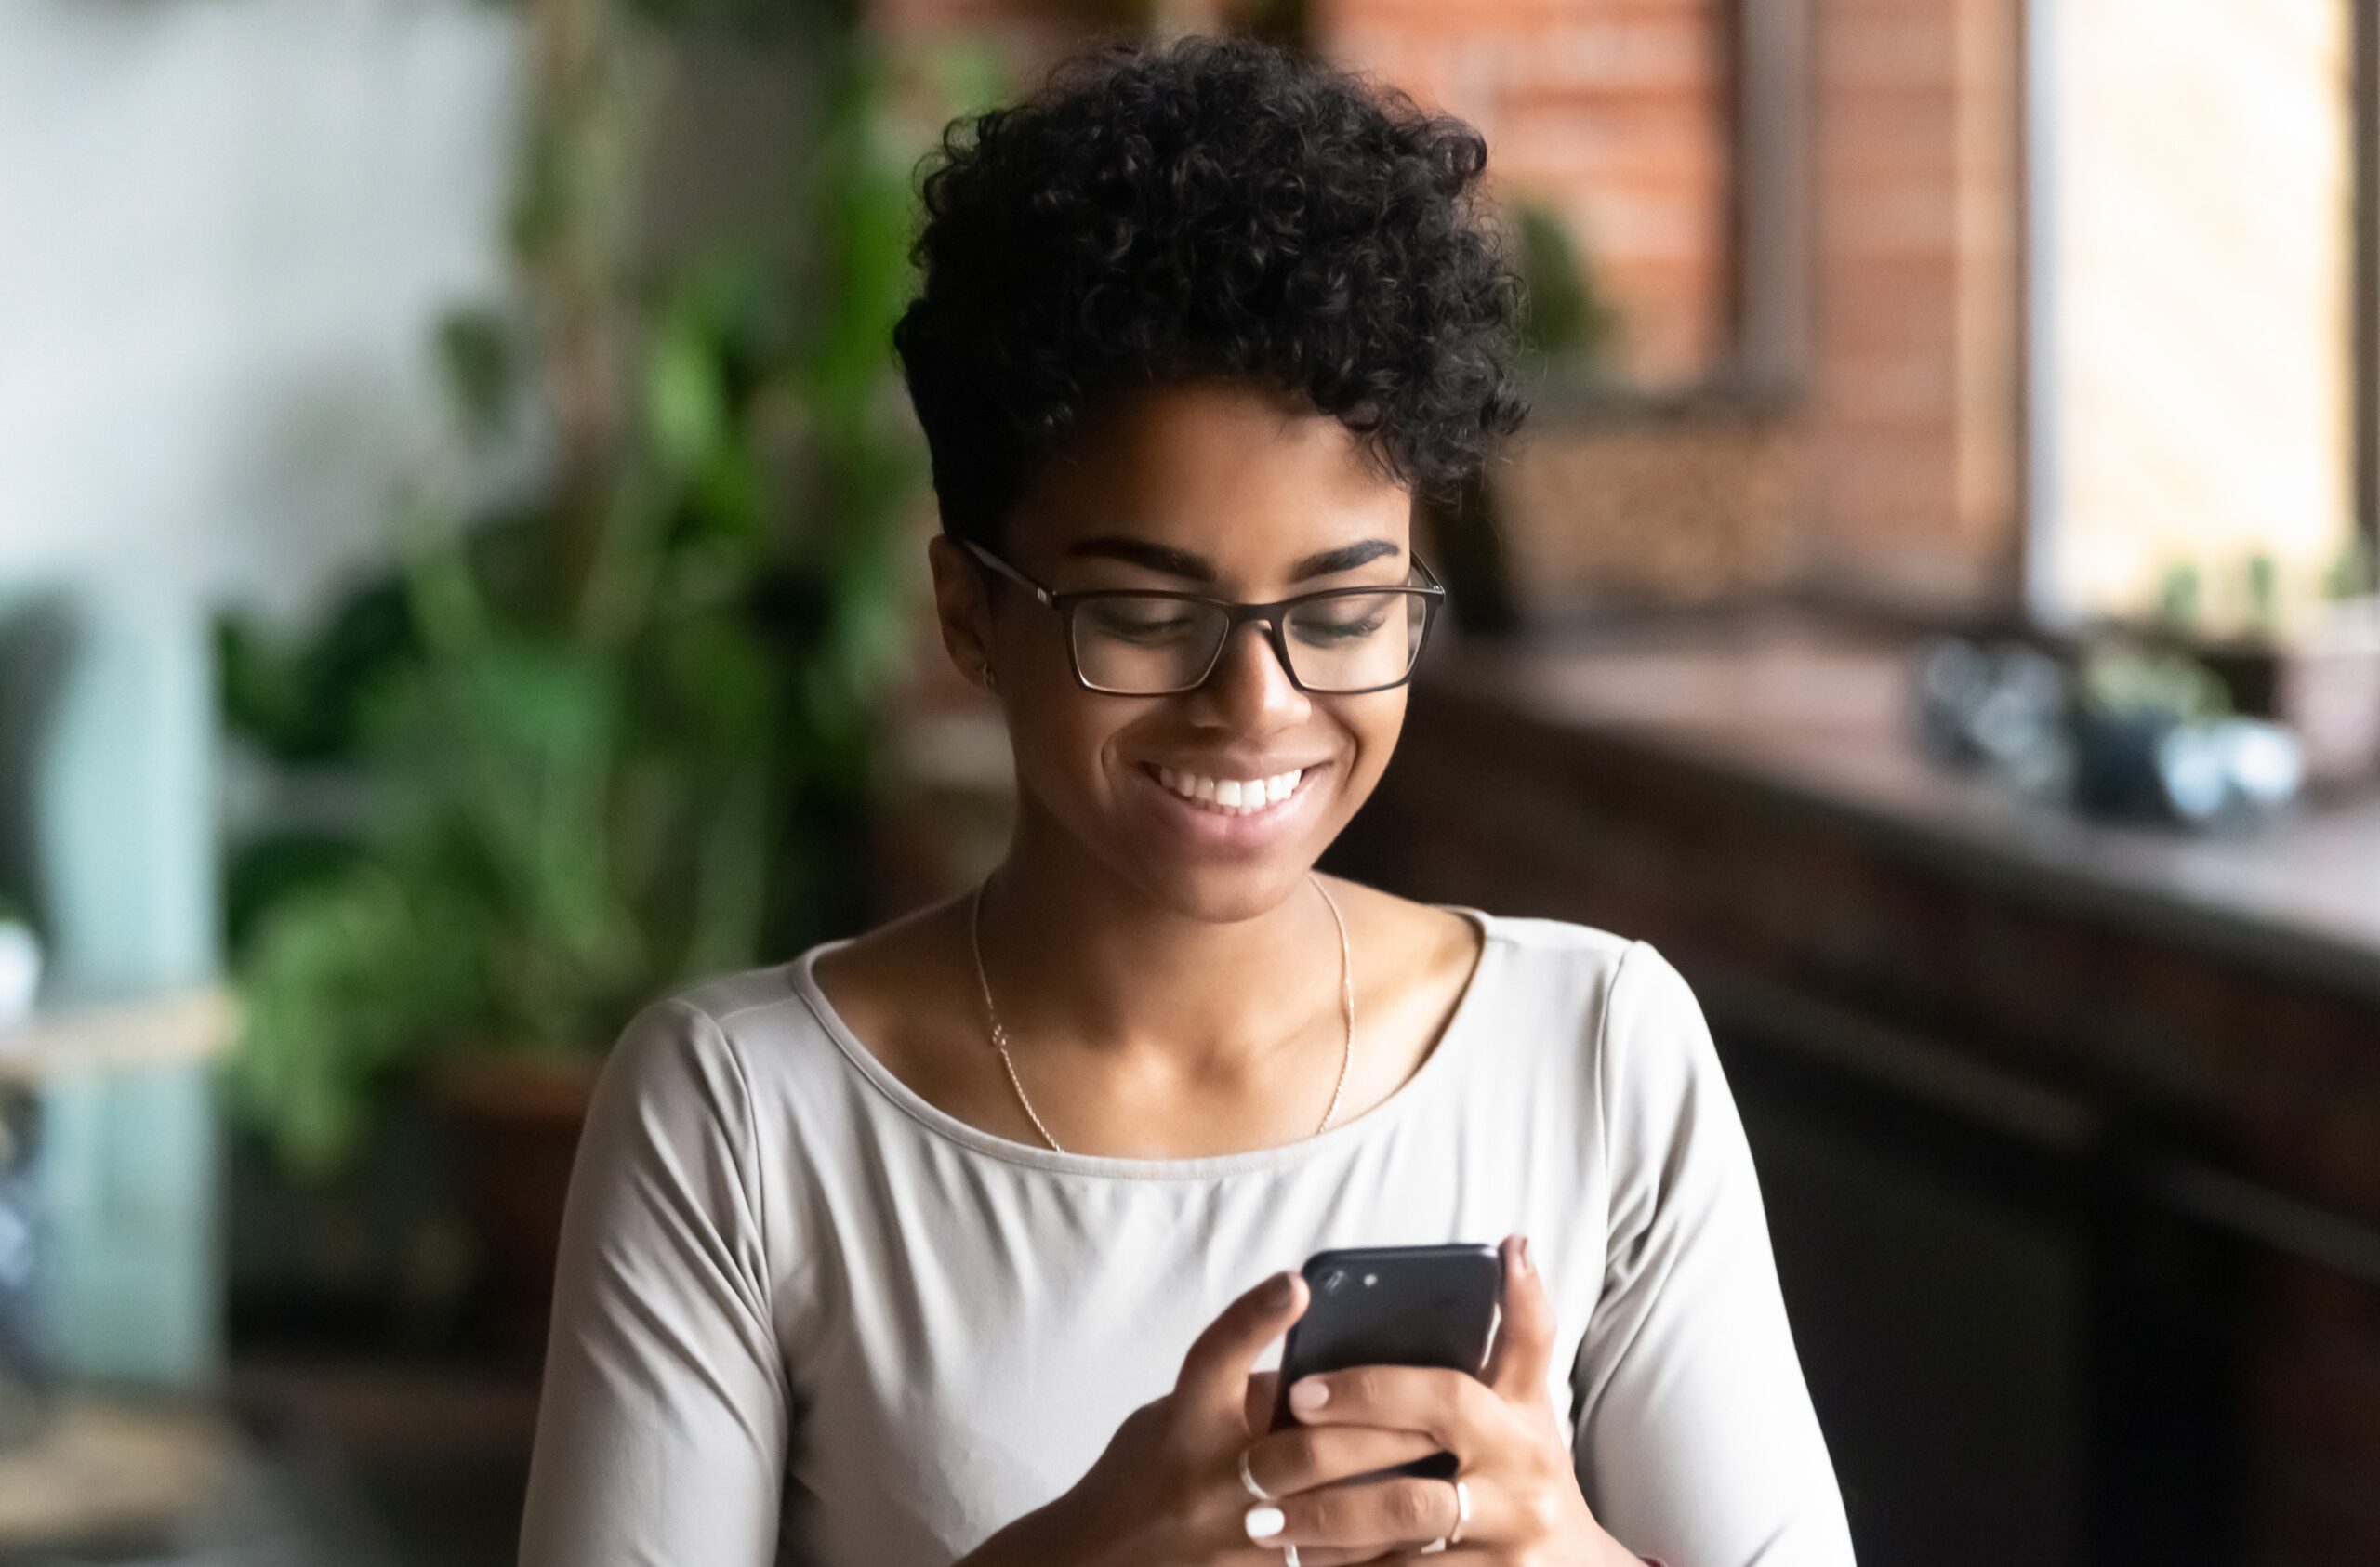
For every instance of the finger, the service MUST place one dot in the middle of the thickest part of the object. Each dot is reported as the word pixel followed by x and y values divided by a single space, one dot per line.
pixel 1263 1388
pixel 1453 1406
pixel 1300 1458
pixel 1368 1515
pixel 1215 1371
pixel 1335 1556
pixel 1523 1355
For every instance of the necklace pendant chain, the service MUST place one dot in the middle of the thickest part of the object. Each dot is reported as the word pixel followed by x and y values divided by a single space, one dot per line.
pixel 999 1034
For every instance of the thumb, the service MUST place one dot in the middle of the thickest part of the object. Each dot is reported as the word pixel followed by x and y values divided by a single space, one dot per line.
pixel 1214 1373
pixel 1523 1349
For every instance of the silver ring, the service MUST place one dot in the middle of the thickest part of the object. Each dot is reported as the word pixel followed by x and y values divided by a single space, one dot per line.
pixel 1288 1556
pixel 1461 1517
pixel 1255 1490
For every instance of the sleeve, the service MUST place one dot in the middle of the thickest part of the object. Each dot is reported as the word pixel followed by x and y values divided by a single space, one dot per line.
pixel 662 1422
pixel 1696 1443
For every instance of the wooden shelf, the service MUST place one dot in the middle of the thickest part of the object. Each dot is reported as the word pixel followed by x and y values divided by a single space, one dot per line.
pixel 100 1469
pixel 172 1028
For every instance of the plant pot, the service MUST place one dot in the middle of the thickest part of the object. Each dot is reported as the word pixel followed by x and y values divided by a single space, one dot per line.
pixel 2323 683
pixel 515 1118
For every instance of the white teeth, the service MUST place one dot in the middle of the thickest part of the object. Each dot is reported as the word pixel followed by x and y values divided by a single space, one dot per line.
pixel 1234 796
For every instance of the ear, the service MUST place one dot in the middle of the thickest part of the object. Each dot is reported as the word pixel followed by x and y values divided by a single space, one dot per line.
pixel 961 606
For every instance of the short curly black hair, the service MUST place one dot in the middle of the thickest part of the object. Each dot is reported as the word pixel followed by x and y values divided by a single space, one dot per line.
pixel 1207 206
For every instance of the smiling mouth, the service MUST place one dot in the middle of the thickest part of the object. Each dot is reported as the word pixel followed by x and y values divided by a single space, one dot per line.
pixel 1304 779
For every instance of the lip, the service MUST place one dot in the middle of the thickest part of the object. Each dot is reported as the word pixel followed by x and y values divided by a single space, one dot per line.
pixel 1229 767
pixel 1212 831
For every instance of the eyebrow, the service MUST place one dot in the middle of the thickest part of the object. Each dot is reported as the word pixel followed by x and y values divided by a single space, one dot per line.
pixel 1173 562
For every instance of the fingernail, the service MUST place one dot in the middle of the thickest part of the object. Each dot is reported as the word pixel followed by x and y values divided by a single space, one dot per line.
pixel 1277 1289
pixel 1264 1522
pixel 1309 1394
pixel 1528 1264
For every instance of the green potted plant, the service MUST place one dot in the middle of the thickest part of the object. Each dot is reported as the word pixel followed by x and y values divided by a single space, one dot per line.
pixel 1568 329
pixel 2308 659
pixel 600 745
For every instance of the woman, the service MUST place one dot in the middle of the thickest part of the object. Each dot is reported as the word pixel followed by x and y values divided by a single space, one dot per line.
pixel 973 1237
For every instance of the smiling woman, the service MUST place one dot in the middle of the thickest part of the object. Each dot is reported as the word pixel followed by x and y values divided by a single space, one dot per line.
pixel 972 1237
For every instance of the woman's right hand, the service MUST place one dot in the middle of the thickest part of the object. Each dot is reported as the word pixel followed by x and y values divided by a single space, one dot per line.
pixel 1167 1491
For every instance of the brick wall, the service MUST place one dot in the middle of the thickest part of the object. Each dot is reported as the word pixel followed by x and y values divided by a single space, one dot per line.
pixel 1912 433
pixel 1621 113
pixel 1614 111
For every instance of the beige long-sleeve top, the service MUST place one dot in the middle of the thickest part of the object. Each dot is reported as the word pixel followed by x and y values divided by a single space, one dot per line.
pixel 805 1317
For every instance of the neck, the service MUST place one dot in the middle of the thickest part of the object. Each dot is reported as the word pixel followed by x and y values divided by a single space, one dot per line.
pixel 1079 959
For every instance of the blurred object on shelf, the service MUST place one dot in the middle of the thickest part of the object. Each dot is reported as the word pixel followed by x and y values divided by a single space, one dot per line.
pixel 27 1370
pixel 2001 707
pixel 2112 729
pixel 1621 497
pixel 20 967
pixel 2154 739
pixel 2302 653
pixel 179 1028
pixel 2321 680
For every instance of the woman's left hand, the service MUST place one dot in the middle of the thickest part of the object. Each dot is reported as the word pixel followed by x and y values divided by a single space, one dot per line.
pixel 1526 1509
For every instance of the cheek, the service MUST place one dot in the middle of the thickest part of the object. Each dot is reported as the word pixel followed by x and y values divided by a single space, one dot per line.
pixel 1375 726
pixel 1063 736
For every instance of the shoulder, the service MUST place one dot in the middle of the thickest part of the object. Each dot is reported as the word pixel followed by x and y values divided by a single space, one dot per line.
pixel 1546 975
pixel 1582 971
pixel 1556 939
pixel 723 1089
pixel 1628 1022
pixel 735 1042
pixel 1613 966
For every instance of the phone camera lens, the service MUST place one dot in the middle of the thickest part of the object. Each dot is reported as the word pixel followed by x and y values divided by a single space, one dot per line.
pixel 1332 1280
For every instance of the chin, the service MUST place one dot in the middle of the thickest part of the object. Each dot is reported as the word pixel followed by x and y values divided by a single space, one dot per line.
pixel 1224 894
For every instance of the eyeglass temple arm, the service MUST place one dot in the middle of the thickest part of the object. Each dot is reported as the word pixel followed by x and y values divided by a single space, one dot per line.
pixel 996 563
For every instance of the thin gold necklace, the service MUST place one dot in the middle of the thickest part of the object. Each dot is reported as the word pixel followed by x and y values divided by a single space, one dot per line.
pixel 999 1034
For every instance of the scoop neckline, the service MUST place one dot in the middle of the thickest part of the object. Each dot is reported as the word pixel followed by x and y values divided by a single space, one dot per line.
pixel 1346 1134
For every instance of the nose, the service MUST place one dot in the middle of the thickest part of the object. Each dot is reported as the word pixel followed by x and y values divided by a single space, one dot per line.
pixel 1248 686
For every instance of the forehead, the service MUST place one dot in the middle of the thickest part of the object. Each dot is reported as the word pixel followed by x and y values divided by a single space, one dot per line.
pixel 1247 479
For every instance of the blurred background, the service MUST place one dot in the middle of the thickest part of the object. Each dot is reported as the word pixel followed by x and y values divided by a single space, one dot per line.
pixel 461 575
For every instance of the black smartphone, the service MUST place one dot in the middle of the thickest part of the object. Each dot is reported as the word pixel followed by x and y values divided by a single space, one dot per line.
pixel 1394 1306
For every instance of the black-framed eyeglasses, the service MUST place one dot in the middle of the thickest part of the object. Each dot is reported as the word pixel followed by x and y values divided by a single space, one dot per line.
pixel 1334 641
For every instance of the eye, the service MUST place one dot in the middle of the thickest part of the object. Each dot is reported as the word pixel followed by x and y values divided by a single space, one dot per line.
pixel 1347 618
pixel 1136 621
pixel 1324 631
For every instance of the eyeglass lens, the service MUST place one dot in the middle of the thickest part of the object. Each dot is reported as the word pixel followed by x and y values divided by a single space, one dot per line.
pixel 1346 643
